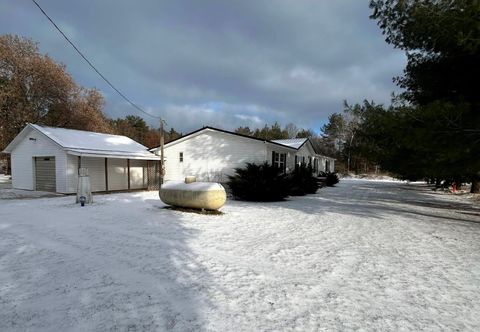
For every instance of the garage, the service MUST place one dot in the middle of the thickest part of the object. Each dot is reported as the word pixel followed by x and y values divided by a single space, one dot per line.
pixel 49 159
pixel 45 174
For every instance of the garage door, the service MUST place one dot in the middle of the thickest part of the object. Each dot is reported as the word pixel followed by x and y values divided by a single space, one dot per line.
pixel 45 174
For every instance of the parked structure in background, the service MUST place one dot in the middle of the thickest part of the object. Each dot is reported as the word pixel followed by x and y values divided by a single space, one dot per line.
pixel 49 159
pixel 211 154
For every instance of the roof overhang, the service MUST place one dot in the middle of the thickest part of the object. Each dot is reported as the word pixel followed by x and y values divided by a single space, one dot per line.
pixel 112 154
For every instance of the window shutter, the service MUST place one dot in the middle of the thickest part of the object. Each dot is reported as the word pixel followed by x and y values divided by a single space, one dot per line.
pixel 284 162
pixel 273 158
pixel 296 161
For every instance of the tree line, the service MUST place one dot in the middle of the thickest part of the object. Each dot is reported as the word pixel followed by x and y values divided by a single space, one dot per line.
pixel 432 129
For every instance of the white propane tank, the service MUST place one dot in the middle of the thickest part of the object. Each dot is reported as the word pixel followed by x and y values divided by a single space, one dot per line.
pixel 195 195
pixel 83 187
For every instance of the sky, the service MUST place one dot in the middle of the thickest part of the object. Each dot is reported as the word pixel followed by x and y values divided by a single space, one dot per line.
pixel 216 62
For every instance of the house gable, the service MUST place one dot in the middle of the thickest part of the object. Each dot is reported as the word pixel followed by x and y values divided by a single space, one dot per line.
pixel 198 131
pixel 211 155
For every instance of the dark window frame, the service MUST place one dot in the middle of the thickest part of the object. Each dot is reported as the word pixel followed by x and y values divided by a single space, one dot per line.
pixel 279 160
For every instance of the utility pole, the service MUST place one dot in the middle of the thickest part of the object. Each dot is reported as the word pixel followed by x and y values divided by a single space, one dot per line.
pixel 162 157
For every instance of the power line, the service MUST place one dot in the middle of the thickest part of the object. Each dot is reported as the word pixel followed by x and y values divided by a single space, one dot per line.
pixel 91 64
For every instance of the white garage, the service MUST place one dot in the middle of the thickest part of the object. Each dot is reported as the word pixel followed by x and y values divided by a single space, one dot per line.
pixel 48 159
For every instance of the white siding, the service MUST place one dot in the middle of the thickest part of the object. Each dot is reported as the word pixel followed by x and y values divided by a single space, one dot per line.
pixel 280 149
pixel 211 156
pixel 138 178
pixel 96 171
pixel 23 169
pixel 332 165
pixel 117 174
pixel 321 165
pixel 306 151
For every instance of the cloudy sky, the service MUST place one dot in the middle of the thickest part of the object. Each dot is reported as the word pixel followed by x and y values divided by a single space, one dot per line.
pixel 220 63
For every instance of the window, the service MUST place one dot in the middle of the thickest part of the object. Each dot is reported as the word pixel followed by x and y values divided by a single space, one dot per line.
pixel 181 157
pixel 279 160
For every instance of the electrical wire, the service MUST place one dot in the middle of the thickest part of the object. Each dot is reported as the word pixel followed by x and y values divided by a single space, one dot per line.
pixel 92 66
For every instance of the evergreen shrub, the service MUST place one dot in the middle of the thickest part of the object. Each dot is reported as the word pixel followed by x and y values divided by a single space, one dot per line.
pixel 259 183
pixel 302 182
pixel 331 178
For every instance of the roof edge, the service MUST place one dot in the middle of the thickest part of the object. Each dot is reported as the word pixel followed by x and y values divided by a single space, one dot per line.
pixel 226 132
pixel 11 146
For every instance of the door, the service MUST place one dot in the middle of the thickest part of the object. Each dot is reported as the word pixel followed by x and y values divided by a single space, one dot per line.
pixel 45 174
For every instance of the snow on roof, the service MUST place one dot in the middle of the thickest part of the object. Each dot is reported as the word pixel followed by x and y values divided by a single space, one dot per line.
pixel 291 142
pixel 81 142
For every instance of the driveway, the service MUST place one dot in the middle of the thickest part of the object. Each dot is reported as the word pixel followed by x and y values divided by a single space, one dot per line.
pixel 368 255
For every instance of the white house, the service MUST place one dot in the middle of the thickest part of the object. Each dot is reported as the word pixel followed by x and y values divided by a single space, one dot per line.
pixel 211 154
pixel 48 159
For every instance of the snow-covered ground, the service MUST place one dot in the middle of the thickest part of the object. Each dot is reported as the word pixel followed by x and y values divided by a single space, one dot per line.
pixel 365 255
pixel 20 193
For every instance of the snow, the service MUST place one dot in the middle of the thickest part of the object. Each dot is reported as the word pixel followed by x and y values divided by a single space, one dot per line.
pixel 363 255
pixel 21 193
pixel 5 181
pixel 374 177
pixel 291 142
pixel 86 142
pixel 194 186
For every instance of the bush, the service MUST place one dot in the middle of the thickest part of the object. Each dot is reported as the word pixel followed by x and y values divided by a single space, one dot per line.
pixel 259 183
pixel 331 178
pixel 302 182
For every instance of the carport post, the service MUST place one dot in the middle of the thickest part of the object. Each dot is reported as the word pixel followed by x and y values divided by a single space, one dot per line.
pixel 106 174
pixel 128 173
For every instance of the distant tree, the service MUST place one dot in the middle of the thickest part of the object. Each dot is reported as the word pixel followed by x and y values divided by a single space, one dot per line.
pixel 323 146
pixel 171 135
pixel 131 126
pixel 152 138
pixel 352 125
pixel 276 132
pixel 271 133
pixel 335 131
pixel 292 130
pixel 244 131
pixel 87 113
pixel 305 133
pixel 340 137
